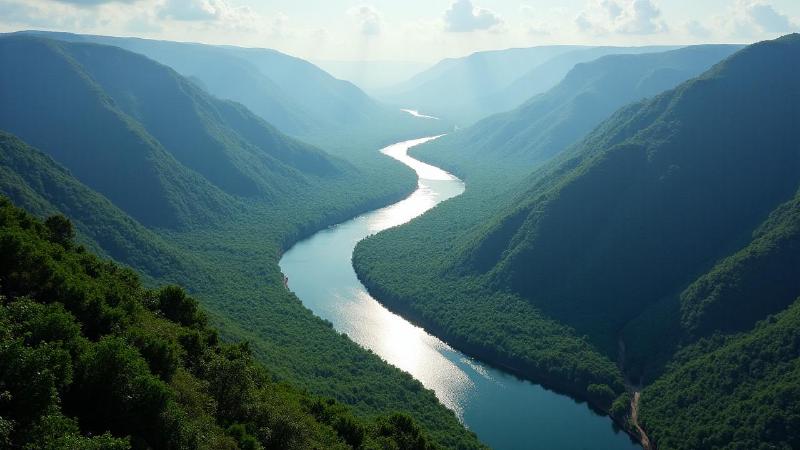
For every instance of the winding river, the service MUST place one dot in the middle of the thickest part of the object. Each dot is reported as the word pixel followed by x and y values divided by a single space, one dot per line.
pixel 505 412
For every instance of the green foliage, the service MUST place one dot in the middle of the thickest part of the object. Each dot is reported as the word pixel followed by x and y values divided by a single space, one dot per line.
pixel 223 247
pixel 766 269
pixel 741 391
pixel 601 394
pixel 38 184
pixel 674 219
pixel 90 359
pixel 61 230
pixel 621 406
pixel 230 267
pixel 111 121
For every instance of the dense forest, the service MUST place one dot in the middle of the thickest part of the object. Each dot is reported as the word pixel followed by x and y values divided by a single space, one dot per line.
pixel 91 359
pixel 217 233
pixel 629 236
pixel 652 246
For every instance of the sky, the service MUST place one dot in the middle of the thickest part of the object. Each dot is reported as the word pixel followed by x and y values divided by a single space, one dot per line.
pixel 411 30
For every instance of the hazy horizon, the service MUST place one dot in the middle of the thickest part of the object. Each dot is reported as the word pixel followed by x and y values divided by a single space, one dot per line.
pixel 413 31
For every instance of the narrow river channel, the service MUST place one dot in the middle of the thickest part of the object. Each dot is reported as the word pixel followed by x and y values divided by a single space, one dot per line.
pixel 504 411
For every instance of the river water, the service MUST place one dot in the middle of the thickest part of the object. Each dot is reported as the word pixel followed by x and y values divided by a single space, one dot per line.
pixel 505 412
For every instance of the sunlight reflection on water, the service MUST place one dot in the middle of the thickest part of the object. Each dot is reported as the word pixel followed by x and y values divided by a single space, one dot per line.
pixel 505 412
pixel 329 285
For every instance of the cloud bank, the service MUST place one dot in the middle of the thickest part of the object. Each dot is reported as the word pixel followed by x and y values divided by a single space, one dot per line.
pixel 463 17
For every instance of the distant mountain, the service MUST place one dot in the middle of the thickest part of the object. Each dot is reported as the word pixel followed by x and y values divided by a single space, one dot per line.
pixel 548 123
pixel 110 117
pixel 457 81
pixel 484 83
pixel 548 74
pixel 372 75
pixel 290 93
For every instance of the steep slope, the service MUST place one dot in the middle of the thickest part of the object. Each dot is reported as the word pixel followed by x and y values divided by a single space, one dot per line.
pixel 44 89
pixel 231 264
pixel 548 123
pixel 548 74
pixel 220 73
pixel 110 114
pixel 468 89
pixel 756 280
pixel 33 181
pixel 674 220
pixel 294 95
pixel 740 391
pixel 458 81
pixel 223 141
pixel 655 194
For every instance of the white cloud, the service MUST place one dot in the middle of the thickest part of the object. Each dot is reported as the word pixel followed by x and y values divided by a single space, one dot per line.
pixel 601 17
pixel 462 16
pixel 697 29
pixel 748 19
pixel 278 26
pixel 93 2
pixel 541 21
pixel 766 18
pixel 219 13
pixel 369 19
pixel 189 10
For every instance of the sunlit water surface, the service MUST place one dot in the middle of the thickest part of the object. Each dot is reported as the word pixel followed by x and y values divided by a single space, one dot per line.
pixel 416 113
pixel 505 412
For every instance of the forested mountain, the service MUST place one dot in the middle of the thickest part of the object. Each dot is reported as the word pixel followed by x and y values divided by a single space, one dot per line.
pixel 455 81
pixel 108 115
pixel 711 158
pixel 484 83
pixel 548 74
pixel 658 242
pixel 111 126
pixel 90 359
pixel 549 123
pixel 36 183
pixel 290 93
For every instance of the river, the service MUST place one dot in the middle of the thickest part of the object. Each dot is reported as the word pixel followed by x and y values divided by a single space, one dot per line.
pixel 503 410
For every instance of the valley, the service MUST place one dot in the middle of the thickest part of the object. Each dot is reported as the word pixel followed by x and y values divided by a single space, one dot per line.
pixel 573 244
pixel 505 411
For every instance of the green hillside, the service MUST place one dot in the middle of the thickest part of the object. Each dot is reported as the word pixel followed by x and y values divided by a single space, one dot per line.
pixel 468 89
pixel 241 287
pixel 36 183
pixel 642 175
pixel 43 87
pixel 738 391
pixel 91 359
pixel 216 148
pixel 548 123
pixel 547 75
pixel 672 221
pixel 292 94
pixel 228 261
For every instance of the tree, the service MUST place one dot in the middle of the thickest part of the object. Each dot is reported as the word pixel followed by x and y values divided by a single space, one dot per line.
pixel 61 230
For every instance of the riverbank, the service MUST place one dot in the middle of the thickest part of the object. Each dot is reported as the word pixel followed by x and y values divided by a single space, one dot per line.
pixel 505 410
